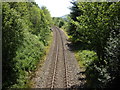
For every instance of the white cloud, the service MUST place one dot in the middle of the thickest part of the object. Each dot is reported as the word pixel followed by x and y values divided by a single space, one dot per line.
pixel 57 8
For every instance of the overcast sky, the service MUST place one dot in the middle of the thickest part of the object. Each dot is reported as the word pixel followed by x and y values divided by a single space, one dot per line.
pixel 57 8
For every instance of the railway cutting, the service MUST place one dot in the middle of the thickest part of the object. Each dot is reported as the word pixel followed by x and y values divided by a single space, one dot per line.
pixel 60 69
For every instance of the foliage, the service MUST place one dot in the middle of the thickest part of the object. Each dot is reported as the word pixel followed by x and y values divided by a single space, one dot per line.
pixel 59 21
pixel 86 57
pixel 25 34
pixel 96 25
pixel 112 56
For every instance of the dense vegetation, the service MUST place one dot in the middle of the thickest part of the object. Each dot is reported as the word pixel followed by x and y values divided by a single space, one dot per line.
pixel 94 28
pixel 26 29
pixel 61 22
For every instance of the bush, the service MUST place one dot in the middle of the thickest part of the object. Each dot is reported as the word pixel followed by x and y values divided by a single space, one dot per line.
pixel 86 57
pixel 27 57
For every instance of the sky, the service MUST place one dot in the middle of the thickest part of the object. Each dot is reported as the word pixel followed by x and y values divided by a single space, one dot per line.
pixel 57 8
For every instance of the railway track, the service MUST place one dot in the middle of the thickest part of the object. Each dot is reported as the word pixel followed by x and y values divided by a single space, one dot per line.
pixel 58 72
pixel 60 69
pixel 65 65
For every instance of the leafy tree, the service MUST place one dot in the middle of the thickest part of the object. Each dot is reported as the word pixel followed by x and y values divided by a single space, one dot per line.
pixel 97 26
pixel 25 34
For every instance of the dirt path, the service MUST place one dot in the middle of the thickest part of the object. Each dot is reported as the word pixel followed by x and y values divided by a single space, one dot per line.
pixel 60 69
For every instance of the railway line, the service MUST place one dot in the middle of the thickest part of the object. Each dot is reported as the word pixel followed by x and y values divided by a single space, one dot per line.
pixel 60 69
pixel 57 77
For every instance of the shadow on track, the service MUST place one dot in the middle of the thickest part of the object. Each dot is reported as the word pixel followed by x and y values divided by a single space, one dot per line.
pixel 73 48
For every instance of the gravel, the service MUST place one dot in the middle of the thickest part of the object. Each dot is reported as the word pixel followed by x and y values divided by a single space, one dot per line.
pixel 61 69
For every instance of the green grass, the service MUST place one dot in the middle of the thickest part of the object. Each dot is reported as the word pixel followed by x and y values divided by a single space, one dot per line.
pixel 85 57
